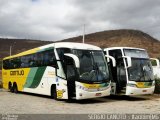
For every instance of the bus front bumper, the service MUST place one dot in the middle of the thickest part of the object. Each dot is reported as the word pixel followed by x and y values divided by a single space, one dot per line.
pixel 82 94
pixel 139 91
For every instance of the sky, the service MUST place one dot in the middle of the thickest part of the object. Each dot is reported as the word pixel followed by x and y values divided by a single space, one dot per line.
pixel 60 19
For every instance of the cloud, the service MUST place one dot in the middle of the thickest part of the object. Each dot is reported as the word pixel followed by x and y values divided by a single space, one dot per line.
pixel 56 20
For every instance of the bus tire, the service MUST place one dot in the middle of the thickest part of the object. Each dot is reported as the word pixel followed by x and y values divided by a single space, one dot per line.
pixel 10 87
pixel 15 89
pixel 54 92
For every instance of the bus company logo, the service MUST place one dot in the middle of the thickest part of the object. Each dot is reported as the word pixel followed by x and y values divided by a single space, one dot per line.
pixel 17 72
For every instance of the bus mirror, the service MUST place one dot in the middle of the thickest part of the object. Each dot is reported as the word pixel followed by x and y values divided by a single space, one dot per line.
pixel 75 58
pixel 129 61
pixel 113 60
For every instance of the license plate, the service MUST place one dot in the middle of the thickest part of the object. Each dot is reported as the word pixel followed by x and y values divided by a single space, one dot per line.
pixel 98 94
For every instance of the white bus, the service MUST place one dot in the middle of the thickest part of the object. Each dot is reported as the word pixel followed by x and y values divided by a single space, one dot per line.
pixel 156 67
pixel 133 74
pixel 63 70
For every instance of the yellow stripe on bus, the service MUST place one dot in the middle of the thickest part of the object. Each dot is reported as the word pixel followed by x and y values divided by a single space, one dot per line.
pixel 91 86
pixel 23 53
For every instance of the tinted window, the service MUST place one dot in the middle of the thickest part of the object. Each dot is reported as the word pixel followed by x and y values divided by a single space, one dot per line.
pixel 44 58
pixel 62 51
pixel 136 53
pixel 116 53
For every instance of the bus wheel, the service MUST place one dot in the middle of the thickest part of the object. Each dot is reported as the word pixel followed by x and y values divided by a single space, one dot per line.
pixel 10 87
pixel 15 89
pixel 53 92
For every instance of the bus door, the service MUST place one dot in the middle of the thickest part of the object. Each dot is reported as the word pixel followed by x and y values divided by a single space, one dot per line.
pixel 61 82
pixel 69 70
pixel 71 74
pixel 121 76
pixel 118 72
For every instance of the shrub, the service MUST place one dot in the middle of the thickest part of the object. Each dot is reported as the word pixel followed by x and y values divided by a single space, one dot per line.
pixel 154 62
pixel 157 85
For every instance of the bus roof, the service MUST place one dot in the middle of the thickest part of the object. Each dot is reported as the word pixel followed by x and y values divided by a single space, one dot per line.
pixel 111 48
pixel 71 45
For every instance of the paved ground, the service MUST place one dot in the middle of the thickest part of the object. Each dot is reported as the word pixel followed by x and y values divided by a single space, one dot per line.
pixel 29 103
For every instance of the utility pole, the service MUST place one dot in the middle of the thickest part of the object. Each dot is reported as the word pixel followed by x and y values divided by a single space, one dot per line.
pixel 83 33
pixel 10 48
pixel 10 51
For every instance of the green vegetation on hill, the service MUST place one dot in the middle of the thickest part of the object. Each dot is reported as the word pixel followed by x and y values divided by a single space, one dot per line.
pixel 154 63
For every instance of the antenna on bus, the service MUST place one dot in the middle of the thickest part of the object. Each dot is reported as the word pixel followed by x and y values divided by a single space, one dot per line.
pixel 83 33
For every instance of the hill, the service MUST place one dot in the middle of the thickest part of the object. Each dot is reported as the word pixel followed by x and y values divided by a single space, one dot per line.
pixel 18 45
pixel 129 38
pixel 124 38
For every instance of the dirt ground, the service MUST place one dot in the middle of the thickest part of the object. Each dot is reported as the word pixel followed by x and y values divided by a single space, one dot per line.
pixel 24 103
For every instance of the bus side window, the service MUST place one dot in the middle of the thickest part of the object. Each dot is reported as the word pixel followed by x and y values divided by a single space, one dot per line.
pixel 11 64
pixel 31 61
pixel 49 58
pixel 22 62
pixel 45 58
pixel 17 62
pixel 6 64
pixel 70 68
pixel 39 61
pixel 61 52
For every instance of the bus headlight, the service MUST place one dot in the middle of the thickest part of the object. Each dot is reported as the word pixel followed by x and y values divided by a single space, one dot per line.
pixel 131 85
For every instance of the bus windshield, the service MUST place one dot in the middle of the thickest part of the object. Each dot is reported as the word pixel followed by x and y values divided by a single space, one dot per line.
pixel 141 70
pixel 92 65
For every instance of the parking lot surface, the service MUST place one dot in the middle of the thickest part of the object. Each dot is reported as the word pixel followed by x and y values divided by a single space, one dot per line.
pixel 24 103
